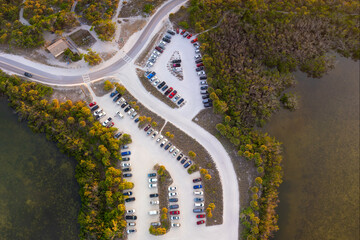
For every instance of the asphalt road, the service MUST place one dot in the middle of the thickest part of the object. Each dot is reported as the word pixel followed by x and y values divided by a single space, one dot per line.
pixel 50 78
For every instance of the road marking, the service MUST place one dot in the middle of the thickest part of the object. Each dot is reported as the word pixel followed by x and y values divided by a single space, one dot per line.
pixel 86 78
pixel 127 58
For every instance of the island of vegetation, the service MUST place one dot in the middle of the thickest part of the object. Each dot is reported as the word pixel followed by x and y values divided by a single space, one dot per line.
pixel 251 49
pixel 77 134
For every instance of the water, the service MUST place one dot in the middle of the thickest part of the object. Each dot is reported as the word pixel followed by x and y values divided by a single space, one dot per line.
pixel 319 198
pixel 38 191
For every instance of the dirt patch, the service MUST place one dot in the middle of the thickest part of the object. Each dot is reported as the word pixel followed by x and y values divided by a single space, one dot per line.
pixel 164 181
pixel 79 93
pixel 212 187
pixel 107 55
pixel 153 90
pixel 83 39
pixel 245 170
pixel 133 8
pixel 128 29
pixel 145 54
pixel 98 86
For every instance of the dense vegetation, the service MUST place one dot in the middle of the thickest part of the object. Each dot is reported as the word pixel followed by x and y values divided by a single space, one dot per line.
pixel 97 10
pixel 249 58
pixel 73 128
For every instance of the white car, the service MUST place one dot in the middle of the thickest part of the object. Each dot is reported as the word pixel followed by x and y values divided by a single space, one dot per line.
pixel 171 194
pixel 163 142
pixel 131 111
pixel 149 64
pixel 97 112
pixel 102 114
pixel 199 204
pixel 153 185
pixel 203 83
pixel 171 188
pixel 133 115
pixel 156 52
pixel 197 51
pixel 130 211
pixel 154 202
pixel 119 114
pixel 198 193
pixel 106 122
pixel 121 100
pixel 197 56
pixel 153 56
pixel 149 132
pixel 131 231
pixel 125 164
pixel 152 180
pixel 153 79
pixel 175 218
pixel 176 98
pixel 159 139
pixel 201 73
pixel 175 224
pixel 131 224
pixel 175 152
pixel 156 82
pixel 154 134
pixel 172 149
pixel 197 46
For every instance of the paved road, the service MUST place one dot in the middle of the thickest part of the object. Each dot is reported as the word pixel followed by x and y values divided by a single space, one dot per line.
pixel 50 78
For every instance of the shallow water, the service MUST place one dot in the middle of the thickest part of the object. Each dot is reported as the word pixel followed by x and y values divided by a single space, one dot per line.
pixel 319 198
pixel 38 191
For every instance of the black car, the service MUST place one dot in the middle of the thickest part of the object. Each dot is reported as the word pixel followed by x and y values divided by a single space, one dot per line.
pixel 167 146
pixel 170 32
pixel 176 61
pixel 184 160
pixel 203 77
pixel 164 88
pixel 130 199
pixel 166 40
pixel 175 206
pixel 94 108
pixel 209 104
pixel 127 175
pixel 168 91
pixel 180 101
pixel 130 217
pixel 161 84
pixel 125 158
pixel 124 104
pixel 129 193
pixel 173 199
pixel 117 97
pixel 126 169
pixel 198 69
pixel 127 109
pixel 136 120
pixel 168 36
pixel 117 135
pixel 29 75
pixel 204 88
pixel 205 96
pixel 153 195
pixel 198 61
pixel 180 156
pixel 97 117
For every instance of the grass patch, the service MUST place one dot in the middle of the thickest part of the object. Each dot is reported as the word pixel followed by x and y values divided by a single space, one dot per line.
pixel 139 7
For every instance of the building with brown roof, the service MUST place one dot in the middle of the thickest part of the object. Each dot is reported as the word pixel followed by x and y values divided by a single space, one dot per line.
pixel 57 47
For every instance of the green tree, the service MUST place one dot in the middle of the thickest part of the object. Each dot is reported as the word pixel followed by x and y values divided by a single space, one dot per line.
pixel 92 58
pixel 108 85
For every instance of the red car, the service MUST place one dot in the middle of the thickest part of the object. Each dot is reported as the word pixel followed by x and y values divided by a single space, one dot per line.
pixel 177 31
pixel 195 180
pixel 173 94
pixel 189 36
pixel 194 40
pixel 200 215
pixel 167 92
pixel 200 64
pixel 110 125
pixel 174 212
pixel 182 32
pixel 92 104
pixel 200 222
pixel 147 127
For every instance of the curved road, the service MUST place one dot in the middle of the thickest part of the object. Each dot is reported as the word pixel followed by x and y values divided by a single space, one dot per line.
pixel 179 117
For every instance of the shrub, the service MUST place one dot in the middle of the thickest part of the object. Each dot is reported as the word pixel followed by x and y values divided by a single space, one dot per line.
pixel 108 85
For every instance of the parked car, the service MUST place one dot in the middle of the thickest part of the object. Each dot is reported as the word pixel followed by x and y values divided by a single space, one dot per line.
pixel 123 164
pixel 187 164
pixel 129 193
pixel 130 211
pixel 200 216
pixel 156 224
pixel 173 199
pixel 198 69
pixel 180 156
pixel 117 135
pixel 176 61
pixel 167 146
pixel 154 195
pixel 113 93
pixel 134 115
pixel 197 56
pixel 203 83
pixel 159 49
pixel 189 36
pixel 110 125
pixel 197 186
pixel 153 185
pixel 154 134
pixel 156 82
pixel 174 212
pixel 173 194
pixel 168 91
pixel 125 158
pixel 152 180
pixel 124 104
pixel 163 142
pixel 154 202
pixel 117 97
pixel 137 120
pixel 131 231
pixel 183 160
pixel 106 122
pixel 198 204
pixel 203 77
pixel 126 169
pixel 174 206
pixel 209 104
pixel 175 217
pixel 175 152
pixel 29 75
pixel 167 36
pixel 195 180
pixel 92 104
pixel 204 88
pixel 119 114
pixel 185 34
pixel 170 32
pixel 126 153
pixel 94 108
pixel 201 73
pixel 127 109
pixel 182 32
pixel 172 149
pixel 177 31
pixel 131 224
pixel 180 101
pixel 153 212
pixel 199 64
pixel 97 112
pixel 131 199
pixel 147 127
pixel 176 98
pixel 149 132
pixel 152 175
pixel 160 138
pixel 173 94
pixel 176 65
pixel 175 224
pixel 164 88
pixel 198 210
pixel 130 217
pixel 198 61
pixel 194 40
pixel 200 222
pixel 166 40
pixel 171 188
pixel 198 193
pixel 126 175
pixel 204 92
pixel 161 84
pixel 198 199
pixel 205 96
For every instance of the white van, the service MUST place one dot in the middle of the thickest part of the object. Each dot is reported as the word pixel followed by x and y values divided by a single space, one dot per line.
pixel 152 180
pixel 153 212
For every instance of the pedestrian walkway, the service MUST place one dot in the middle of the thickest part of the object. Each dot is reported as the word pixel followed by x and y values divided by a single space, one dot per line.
pixel 86 78
pixel 127 58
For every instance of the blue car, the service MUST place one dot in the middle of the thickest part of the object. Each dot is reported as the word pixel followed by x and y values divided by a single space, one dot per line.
pixel 197 186
pixel 113 93
pixel 151 75
pixel 136 120
pixel 126 153
pixel 187 164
